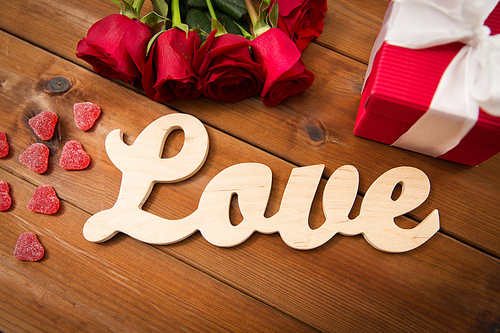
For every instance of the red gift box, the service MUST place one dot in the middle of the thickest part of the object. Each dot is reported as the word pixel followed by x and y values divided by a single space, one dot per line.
pixel 400 88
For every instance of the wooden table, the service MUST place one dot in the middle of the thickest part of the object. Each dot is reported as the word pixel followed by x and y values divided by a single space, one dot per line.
pixel 449 284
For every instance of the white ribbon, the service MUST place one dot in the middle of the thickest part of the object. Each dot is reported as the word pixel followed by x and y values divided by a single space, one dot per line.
pixel 472 79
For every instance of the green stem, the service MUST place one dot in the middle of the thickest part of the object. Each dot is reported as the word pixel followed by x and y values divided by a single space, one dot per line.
pixel 251 11
pixel 176 13
pixel 138 6
pixel 211 10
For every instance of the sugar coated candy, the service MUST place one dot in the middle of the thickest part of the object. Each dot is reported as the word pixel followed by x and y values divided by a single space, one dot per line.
pixel 44 200
pixel 73 157
pixel 86 114
pixel 28 247
pixel 5 199
pixel 43 124
pixel 4 145
pixel 36 158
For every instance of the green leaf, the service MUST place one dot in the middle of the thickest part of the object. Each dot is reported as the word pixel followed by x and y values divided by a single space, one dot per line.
pixel 244 32
pixel 152 18
pixel 160 7
pixel 197 3
pixel 273 15
pixel 200 18
pixel 137 4
pixel 234 8
pixel 183 27
pixel 216 25
pixel 117 2
pixel 261 25
pixel 152 41
pixel 232 25
pixel 203 34
pixel 128 10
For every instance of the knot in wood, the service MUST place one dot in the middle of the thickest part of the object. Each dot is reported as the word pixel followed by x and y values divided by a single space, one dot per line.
pixel 58 85
pixel 315 133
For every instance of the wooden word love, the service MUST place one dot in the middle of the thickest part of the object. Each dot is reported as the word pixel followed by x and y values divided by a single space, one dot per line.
pixel 141 165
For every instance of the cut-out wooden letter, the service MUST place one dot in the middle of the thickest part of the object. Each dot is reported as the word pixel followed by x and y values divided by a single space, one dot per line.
pixel 142 166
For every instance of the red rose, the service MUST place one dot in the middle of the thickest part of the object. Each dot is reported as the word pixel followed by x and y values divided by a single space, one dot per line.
pixel 226 69
pixel 286 75
pixel 116 47
pixel 168 73
pixel 301 19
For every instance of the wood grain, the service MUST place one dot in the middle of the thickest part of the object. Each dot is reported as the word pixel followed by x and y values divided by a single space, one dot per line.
pixel 316 126
pixel 344 285
pixel 124 285
pixel 350 27
pixel 82 287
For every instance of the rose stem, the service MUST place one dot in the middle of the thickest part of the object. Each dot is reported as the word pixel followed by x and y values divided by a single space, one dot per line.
pixel 251 11
pixel 176 13
pixel 138 6
pixel 211 10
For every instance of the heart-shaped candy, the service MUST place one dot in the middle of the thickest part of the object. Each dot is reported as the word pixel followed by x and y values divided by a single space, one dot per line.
pixel 86 114
pixel 28 247
pixel 43 124
pixel 36 158
pixel 4 145
pixel 73 157
pixel 44 200
pixel 5 199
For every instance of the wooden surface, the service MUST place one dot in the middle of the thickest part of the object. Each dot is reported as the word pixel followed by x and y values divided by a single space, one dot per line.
pixel 449 284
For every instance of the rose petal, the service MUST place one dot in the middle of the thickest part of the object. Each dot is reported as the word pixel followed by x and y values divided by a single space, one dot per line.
pixel 226 68
pixel 286 75
pixel 116 47
pixel 302 20
pixel 168 73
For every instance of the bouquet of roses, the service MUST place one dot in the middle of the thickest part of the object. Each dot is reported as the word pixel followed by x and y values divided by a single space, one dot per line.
pixel 193 48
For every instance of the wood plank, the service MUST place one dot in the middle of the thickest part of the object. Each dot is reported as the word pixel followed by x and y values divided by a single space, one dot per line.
pixel 315 127
pixel 345 285
pixel 350 27
pixel 120 286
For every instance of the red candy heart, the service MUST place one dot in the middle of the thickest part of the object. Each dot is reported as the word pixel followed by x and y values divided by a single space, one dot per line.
pixel 4 145
pixel 44 200
pixel 5 199
pixel 36 158
pixel 73 157
pixel 28 247
pixel 86 114
pixel 43 124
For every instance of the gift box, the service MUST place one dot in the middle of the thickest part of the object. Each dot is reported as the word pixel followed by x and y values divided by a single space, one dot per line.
pixel 419 94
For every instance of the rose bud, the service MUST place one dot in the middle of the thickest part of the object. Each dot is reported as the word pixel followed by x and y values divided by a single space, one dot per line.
pixel 168 73
pixel 302 20
pixel 286 75
pixel 226 69
pixel 116 47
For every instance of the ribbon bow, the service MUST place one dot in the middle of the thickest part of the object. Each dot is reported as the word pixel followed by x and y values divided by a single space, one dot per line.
pixel 423 24
pixel 472 79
